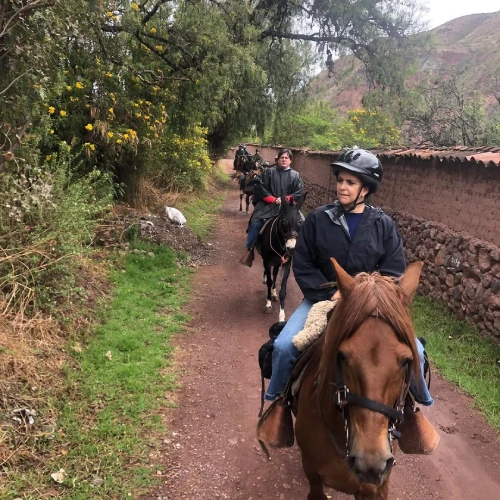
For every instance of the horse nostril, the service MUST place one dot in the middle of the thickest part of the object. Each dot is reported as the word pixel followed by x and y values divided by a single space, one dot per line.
pixel 351 462
pixel 391 462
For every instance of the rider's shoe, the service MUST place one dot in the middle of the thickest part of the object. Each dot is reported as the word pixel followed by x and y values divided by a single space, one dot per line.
pixel 247 258
pixel 418 435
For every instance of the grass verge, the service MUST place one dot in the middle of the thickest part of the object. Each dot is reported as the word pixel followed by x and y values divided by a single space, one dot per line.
pixel 201 211
pixel 461 355
pixel 109 415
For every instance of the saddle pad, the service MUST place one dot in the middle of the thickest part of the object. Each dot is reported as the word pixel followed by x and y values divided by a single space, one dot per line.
pixel 315 324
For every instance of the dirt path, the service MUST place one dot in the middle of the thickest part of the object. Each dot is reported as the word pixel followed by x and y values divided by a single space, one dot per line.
pixel 210 451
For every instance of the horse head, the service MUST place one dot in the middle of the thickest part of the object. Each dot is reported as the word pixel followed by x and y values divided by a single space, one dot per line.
pixel 366 365
pixel 290 221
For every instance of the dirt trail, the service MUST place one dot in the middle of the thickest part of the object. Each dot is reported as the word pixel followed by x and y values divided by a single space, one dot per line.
pixel 210 452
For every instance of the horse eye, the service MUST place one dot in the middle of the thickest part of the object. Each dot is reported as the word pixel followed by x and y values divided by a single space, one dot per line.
pixel 406 362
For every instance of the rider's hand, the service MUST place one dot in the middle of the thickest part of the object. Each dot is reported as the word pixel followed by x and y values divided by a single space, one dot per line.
pixel 278 201
pixel 336 295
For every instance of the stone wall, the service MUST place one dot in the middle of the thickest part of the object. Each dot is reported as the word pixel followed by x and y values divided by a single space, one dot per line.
pixel 448 214
pixel 461 271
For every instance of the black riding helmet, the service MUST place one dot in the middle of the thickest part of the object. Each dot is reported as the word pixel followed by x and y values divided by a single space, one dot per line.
pixel 363 164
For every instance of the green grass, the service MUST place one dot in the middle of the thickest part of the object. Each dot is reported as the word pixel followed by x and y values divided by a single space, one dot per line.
pixel 112 399
pixel 461 355
pixel 202 211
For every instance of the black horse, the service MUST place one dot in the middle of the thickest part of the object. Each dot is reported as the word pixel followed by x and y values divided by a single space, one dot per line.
pixel 276 244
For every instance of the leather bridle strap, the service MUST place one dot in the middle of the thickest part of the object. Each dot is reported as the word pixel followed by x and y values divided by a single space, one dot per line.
pixel 343 396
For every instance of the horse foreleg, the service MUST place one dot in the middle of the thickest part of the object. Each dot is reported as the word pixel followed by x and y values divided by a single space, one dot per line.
pixel 274 293
pixel 267 271
pixel 284 280
pixel 316 491
pixel 241 202
pixel 248 203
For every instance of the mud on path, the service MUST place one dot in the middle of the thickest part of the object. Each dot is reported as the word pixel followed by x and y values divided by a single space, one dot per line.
pixel 209 448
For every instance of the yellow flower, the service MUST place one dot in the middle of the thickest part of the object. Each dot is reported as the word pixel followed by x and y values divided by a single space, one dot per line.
pixel 140 102
pixel 52 110
pixel 110 134
pixel 153 30
pixel 112 95
pixel 62 112
pixel 109 14
pixel 118 141
pixel 89 127
pixel 151 127
pixel 135 6
pixel 109 74
pixel 69 88
pixel 111 111
pixel 138 115
pixel 48 157
pixel 136 105
pixel 146 117
pixel 92 147
pixel 51 130
pixel 159 48
pixel 125 136
pixel 79 85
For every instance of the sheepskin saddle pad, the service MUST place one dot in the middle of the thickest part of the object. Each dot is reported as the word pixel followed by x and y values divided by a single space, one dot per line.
pixel 315 324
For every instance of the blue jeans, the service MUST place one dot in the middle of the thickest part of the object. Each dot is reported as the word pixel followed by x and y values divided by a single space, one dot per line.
pixel 253 233
pixel 285 354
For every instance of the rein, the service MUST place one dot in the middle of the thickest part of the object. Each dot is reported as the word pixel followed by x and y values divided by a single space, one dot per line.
pixel 291 234
pixel 343 397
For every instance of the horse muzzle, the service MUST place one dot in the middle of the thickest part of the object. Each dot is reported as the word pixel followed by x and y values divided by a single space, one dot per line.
pixel 290 246
pixel 371 468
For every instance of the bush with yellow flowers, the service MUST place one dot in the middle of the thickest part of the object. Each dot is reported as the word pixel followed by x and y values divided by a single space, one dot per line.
pixel 181 163
pixel 365 128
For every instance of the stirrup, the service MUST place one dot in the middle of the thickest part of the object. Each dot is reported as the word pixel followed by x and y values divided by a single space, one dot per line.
pixel 418 435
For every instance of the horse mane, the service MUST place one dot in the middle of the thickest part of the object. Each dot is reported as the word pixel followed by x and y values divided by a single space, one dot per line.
pixel 372 295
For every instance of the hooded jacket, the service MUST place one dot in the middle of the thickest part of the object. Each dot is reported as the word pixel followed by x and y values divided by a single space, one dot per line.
pixel 376 246
pixel 275 182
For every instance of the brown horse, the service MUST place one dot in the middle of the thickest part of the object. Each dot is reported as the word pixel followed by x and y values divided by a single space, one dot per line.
pixel 352 396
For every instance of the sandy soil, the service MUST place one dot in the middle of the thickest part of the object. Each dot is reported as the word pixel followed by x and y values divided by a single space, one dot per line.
pixel 209 448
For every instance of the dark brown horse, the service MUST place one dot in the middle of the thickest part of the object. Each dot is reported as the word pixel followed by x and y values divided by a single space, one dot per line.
pixel 353 392
pixel 246 187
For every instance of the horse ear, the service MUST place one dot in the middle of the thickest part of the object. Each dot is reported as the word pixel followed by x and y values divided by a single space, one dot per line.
pixel 345 283
pixel 409 281
pixel 301 201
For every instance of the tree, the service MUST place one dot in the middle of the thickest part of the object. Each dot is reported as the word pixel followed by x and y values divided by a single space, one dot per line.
pixel 442 112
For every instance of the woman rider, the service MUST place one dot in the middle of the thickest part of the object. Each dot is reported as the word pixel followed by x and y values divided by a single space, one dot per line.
pixel 360 237
pixel 277 181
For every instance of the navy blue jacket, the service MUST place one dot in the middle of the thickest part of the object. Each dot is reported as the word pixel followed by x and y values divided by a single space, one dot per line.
pixel 376 246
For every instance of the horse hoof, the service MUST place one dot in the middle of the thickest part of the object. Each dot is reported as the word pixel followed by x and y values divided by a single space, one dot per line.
pixel 268 310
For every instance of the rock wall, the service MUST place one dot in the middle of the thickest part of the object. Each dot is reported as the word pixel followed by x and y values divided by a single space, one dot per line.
pixel 461 271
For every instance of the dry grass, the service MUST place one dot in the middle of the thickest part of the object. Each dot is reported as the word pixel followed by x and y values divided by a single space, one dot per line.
pixel 33 354
pixel 150 198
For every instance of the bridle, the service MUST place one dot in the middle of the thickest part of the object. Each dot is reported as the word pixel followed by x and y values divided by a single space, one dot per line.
pixel 287 236
pixel 343 397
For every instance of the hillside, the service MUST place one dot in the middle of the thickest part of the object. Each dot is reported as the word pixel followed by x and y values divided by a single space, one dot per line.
pixel 471 42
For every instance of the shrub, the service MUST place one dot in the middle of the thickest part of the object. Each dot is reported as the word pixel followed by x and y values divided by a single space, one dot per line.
pixel 48 214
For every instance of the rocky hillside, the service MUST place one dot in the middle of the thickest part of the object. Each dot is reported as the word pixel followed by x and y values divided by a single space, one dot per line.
pixel 470 42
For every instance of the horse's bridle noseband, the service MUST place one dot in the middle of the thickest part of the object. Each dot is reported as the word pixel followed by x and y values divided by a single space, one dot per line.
pixel 343 397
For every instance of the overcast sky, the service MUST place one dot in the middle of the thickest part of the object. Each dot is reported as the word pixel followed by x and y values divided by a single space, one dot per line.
pixel 441 11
